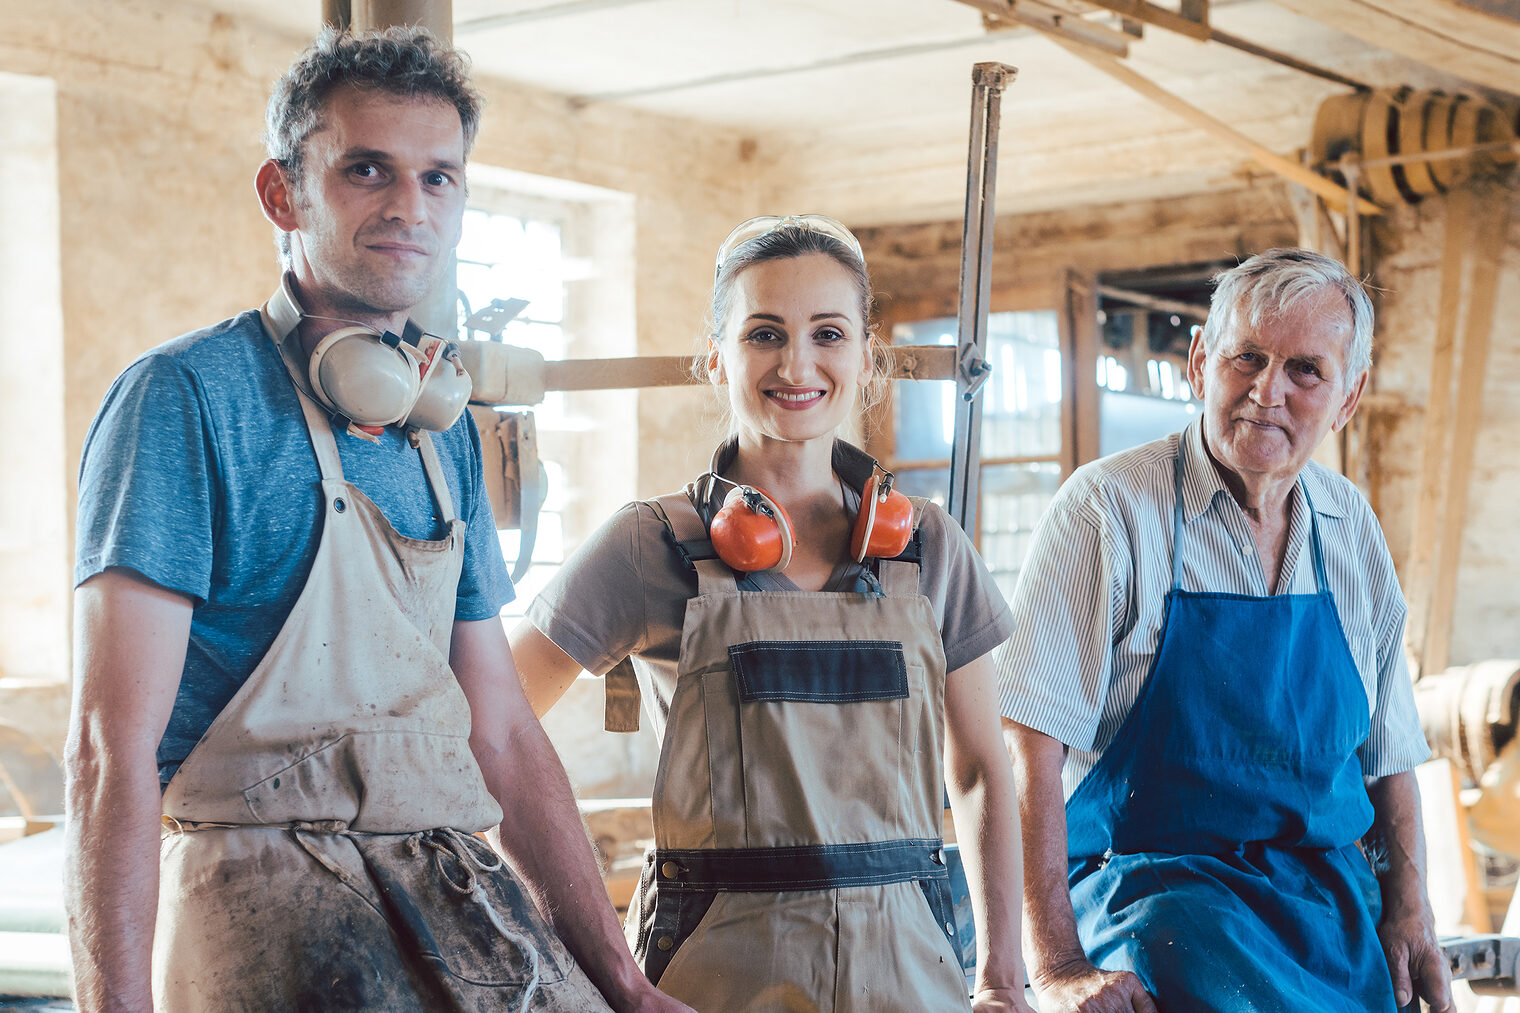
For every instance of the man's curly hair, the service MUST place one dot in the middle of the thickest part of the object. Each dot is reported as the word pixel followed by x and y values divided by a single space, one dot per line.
pixel 406 61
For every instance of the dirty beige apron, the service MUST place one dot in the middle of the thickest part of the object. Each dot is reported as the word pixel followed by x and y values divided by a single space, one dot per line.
pixel 317 853
pixel 798 864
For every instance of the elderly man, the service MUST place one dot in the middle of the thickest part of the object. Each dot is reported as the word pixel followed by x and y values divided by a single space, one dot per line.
pixel 1208 667
pixel 289 656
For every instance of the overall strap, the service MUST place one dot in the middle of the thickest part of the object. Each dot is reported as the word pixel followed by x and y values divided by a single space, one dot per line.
pixel 687 530
pixel 682 517
pixel 620 711
pixel 1177 517
pixel 899 575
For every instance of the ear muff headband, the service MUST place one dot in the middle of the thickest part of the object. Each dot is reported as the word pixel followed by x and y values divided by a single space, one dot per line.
pixel 378 379
pixel 752 533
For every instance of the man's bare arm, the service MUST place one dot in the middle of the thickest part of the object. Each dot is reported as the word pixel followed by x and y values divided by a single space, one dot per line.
pixel 129 650
pixel 1064 979
pixel 1407 928
pixel 542 833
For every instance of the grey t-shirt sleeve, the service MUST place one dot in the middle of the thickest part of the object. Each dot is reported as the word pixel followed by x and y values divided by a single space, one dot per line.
pixel 146 481
pixel 974 618
pixel 617 593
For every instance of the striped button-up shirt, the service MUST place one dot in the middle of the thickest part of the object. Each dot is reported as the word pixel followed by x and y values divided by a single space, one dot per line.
pixel 1092 595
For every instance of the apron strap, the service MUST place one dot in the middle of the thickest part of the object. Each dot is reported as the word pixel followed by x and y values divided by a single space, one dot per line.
pixel 1320 582
pixel 1177 516
pixel 280 319
pixel 322 442
pixel 434 471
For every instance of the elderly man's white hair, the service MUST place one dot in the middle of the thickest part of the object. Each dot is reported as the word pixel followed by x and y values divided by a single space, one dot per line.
pixel 1269 283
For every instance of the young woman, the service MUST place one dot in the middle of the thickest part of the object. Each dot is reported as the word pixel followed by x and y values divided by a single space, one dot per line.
pixel 810 707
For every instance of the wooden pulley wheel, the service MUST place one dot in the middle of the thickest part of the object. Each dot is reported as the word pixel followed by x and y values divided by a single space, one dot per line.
pixel 1337 131
pixel 1412 117
pixel 1379 139
pixel 1437 137
pixel 1464 133
pixel 1491 127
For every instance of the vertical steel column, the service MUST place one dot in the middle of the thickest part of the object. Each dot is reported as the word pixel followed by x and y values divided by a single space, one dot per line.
pixel 971 368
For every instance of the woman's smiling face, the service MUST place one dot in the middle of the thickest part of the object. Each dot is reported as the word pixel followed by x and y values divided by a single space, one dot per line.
pixel 794 349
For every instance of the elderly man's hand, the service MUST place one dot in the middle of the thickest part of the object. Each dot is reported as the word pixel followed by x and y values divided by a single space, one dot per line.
pixel 1079 987
pixel 1415 962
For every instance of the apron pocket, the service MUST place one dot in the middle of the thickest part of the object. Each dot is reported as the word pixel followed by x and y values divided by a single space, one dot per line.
pixel 820 671
pixel 452 902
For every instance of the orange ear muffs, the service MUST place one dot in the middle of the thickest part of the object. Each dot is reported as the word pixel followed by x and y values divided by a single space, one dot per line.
pixel 752 532
pixel 884 525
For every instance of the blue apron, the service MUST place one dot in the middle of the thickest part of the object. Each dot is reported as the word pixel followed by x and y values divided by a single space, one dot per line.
pixel 1213 848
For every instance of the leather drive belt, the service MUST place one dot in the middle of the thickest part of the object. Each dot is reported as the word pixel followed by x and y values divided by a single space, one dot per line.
pixel 803 867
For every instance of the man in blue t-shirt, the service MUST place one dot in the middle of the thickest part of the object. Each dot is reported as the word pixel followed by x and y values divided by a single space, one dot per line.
pixel 289 659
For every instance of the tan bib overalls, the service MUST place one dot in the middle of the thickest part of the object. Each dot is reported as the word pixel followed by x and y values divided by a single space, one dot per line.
pixel 798 805
pixel 317 853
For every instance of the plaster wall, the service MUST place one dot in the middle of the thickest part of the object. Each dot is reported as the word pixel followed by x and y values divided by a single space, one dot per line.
pixel 912 263
pixel 1486 613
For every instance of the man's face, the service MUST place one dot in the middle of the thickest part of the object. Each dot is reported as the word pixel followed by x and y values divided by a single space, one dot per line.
pixel 380 203
pixel 1271 392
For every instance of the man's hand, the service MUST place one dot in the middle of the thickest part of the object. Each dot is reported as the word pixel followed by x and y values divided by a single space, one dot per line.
pixel 651 1000
pixel 999 1000
pixel 1415 962
pixel 1079 987
pixel 1407 929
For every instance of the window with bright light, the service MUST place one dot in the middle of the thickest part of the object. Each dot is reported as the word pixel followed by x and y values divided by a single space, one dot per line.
pixel 568 254
pixel 1021 431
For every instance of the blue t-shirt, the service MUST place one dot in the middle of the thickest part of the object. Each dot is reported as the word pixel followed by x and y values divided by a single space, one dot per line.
pixel 199 474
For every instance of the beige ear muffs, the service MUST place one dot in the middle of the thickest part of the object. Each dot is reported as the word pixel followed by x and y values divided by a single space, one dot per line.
pixel 377 379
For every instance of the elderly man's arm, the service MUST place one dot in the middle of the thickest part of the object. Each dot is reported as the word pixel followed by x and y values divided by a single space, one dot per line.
pixel 1064 979
pixel 542 833
pixel 130 642
pixel 1407 929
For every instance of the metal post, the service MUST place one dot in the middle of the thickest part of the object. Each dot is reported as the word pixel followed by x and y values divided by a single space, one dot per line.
pixel 971 368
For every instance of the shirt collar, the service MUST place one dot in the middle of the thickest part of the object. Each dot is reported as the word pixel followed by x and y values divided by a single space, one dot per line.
pixel 1201 482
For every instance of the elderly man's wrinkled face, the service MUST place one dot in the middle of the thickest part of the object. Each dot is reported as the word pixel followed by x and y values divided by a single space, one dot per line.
pixel 1271 392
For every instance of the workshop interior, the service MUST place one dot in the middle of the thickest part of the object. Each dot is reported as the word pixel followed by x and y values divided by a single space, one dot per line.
pixel 1043 191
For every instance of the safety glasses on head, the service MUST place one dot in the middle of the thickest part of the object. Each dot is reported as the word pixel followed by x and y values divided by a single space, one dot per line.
pixel 765 224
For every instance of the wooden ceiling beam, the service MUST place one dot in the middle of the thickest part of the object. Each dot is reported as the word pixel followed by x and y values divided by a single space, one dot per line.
pixel 1161 17
pixel 1260 154
pixel 1056 22
pixel 1193 21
